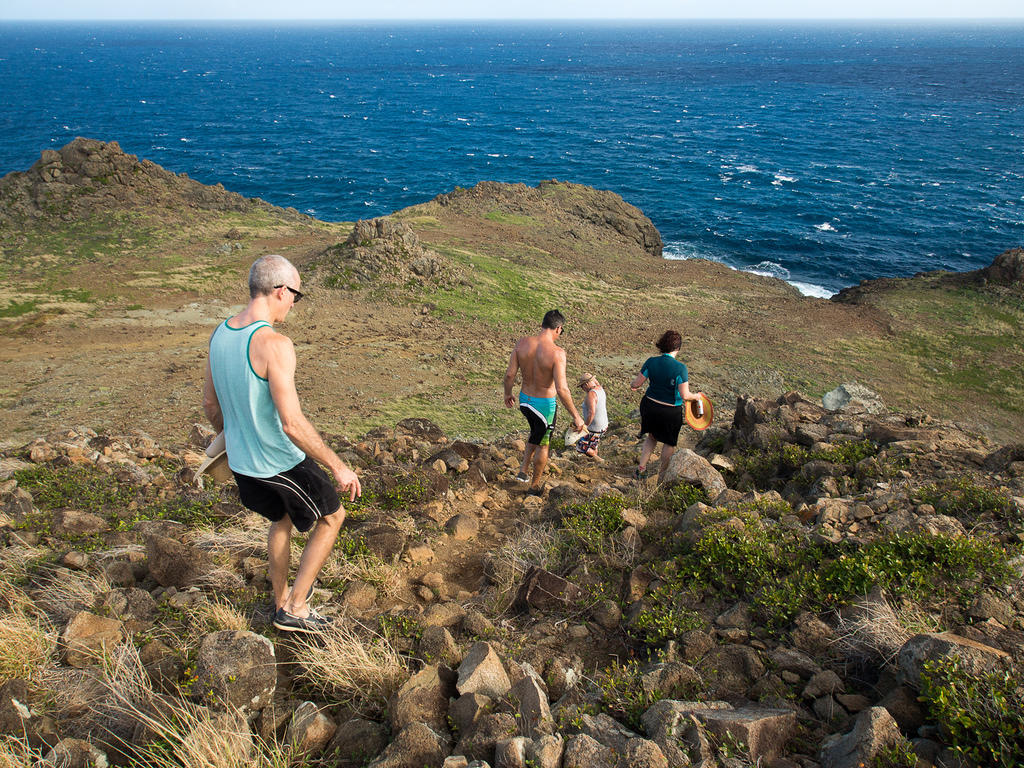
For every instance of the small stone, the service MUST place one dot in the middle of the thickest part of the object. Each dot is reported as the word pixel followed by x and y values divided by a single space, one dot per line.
pixel 462 527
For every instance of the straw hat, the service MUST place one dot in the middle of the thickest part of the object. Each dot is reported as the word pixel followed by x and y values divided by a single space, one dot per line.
pixel 699 413
pixel 586 377
pixel 216 463
pixel 572 437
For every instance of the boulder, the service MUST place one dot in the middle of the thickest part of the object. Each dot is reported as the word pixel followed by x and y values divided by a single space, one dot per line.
pixel 546 751
pixel 237 668
pixel 544 590
pixel 424 699
pixel 443 615
pixel 583 751
pixel 482 672
pixel 173 564
pixel 415 746
pixel 873 730
pixel 437 645
pixel 356 741
pixel 359 596
pixel 462 527
pixel 310 730
pixel 87 636
pixel 480 741
pixel 135 607
pixel 852 397
pixel 932 647
pixel 534 709
pixel 72 522
pixel 510 753
pixel 688 466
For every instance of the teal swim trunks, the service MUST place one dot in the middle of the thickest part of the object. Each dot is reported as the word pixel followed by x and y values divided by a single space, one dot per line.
pixel 540 413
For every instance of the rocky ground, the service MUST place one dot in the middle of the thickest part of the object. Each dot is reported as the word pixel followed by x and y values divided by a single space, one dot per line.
pixel 833 586
pixel 612 622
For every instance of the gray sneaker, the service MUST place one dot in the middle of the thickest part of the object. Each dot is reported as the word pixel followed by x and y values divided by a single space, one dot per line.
pixel 311 624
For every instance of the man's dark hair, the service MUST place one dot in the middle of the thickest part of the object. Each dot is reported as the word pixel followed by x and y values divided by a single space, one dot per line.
pixel 553 319
pixel 670 341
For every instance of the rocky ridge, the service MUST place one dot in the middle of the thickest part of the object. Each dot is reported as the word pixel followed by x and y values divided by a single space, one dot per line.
pixel 87 176
pixel 507 653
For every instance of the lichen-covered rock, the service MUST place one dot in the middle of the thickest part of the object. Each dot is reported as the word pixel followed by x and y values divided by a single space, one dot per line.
pixel 236 668
pixel 933 647
pixel 87 636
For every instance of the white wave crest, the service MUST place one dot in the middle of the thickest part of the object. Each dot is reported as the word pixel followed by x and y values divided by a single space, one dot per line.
pixel 824 227
pixel 768 269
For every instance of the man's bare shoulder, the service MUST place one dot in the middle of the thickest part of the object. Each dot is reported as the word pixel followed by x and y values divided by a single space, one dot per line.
pixel 269 342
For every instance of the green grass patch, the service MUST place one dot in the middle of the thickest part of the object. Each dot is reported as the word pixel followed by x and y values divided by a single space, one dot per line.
pixel 85 488
pixel 503 217
pixel 79 486
pixel 19 308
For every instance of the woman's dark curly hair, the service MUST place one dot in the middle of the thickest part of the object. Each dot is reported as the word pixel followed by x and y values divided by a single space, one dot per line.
pixel 670 341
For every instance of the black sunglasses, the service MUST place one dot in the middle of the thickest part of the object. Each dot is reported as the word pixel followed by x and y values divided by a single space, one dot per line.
pixel 297 294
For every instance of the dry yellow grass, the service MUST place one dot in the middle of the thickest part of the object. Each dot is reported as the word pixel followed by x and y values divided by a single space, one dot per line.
pixel 16 753
pixel 27 646
pixel 877 630
pixel 61 593
pixel 532 545
pixel 356 666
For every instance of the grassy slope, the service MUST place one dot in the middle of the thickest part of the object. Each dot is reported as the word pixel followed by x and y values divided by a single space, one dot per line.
pixel 372 356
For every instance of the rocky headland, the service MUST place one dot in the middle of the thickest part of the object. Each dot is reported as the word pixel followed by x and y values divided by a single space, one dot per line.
pixel 829 579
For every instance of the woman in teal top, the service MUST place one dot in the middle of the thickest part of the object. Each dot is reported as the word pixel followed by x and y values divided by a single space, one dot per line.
pixel 661 409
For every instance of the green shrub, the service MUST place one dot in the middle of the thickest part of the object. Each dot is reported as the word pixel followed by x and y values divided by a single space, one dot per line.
pixel 782 572
pixel 623 695
pixel 391 494
pixel 79 486
pixel 664 617
pixel 981 715
pixel 589 525
pixel 969 502
pixel 679 497
pixel 774 466
pixel 898 755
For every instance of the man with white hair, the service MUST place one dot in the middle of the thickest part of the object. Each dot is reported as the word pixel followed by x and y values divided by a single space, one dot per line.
pixel 272 448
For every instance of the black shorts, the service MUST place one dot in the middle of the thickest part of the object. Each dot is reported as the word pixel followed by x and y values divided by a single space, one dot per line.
pixel 304 493
pixel 662 422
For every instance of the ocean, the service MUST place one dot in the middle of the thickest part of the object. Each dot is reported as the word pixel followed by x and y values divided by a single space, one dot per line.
pixel 820 154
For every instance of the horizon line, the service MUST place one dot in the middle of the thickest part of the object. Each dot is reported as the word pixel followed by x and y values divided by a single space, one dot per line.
pixel 473 20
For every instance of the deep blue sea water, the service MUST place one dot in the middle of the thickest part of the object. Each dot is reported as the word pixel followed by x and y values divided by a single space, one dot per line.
pixel 820 154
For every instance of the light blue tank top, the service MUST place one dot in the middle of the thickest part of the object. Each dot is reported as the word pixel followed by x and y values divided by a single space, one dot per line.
pixel 256 443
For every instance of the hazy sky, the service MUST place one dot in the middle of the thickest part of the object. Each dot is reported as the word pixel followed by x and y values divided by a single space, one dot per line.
pixel 519 9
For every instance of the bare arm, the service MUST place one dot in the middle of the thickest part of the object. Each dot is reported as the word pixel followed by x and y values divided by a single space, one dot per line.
pixel 638 382
pixel 590 405
pixel 562 388
pixel 280 354
pixel 686 394
pixel 510 379
pixel 211 405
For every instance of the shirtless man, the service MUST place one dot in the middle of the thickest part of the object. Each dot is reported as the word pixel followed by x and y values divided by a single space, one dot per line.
pixel 542 363
pixel 249 392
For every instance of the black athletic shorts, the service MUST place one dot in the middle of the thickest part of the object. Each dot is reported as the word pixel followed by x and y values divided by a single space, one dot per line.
pixel 304 493
pixel 662 422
